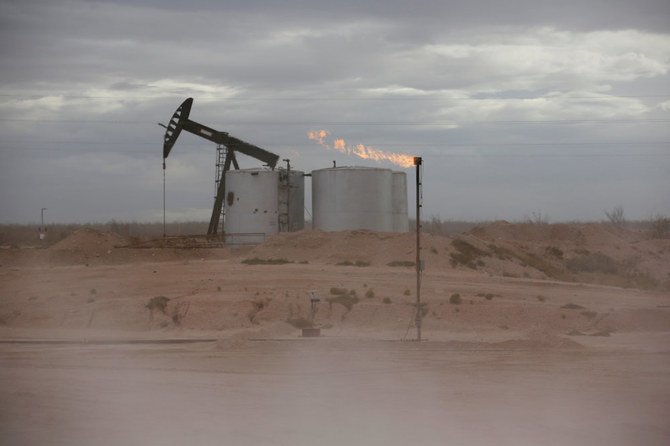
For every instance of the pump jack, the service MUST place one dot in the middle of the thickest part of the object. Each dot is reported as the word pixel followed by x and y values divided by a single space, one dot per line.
pixel 180 121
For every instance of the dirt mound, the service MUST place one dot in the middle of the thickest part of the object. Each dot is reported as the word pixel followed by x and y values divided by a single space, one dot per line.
pixel 88 239
pixel 589 253
pixel 581 252
pixel 364 247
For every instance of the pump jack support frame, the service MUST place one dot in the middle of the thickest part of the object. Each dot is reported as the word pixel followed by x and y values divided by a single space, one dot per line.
pixel 180 121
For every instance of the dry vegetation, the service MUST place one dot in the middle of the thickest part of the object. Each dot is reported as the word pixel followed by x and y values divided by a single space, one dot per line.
pixel 657 227
pixel 28 235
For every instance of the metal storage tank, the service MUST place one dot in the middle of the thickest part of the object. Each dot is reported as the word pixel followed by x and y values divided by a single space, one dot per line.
pixel 256 202
pixel 399 204
pixel 352 198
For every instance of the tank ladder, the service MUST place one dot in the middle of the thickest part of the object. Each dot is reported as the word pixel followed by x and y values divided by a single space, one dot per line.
pixel 221 152
pixel 284 198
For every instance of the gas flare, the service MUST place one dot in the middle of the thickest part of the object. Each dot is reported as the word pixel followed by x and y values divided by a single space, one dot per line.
pixel 319 136
pixel 360 150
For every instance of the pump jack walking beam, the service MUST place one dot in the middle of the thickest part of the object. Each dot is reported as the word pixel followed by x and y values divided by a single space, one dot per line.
pixel 180 121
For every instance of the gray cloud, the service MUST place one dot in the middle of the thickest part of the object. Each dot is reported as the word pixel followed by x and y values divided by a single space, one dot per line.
pixel 517 108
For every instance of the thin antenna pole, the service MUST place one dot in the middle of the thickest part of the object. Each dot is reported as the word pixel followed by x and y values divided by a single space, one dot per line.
pixel 164 155
pixel 163 198
pixel 419 266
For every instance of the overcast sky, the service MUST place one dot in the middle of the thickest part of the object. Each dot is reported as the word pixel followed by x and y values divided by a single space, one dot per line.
pixel 519 108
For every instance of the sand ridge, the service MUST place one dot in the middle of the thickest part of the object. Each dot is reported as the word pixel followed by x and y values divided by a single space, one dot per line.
pixel 512 283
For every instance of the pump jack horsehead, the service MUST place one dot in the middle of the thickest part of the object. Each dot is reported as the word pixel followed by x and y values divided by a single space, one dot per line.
pixel 180 121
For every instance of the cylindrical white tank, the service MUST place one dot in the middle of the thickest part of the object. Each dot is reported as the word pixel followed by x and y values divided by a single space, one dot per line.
pixel 399 202
pixel 251 205
pixel 352 198
pixel 260 203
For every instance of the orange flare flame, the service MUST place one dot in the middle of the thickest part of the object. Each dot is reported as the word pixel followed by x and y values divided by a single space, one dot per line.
pixel 319 136
pixel 360 150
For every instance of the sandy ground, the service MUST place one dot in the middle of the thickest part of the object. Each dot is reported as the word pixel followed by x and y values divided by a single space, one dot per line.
pixel 520 361
pixel 331 391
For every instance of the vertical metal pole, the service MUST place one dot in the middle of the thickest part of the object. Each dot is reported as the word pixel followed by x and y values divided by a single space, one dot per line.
pixel 288 195
pixel 419 266
pixel 163 198
pixel 165 155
